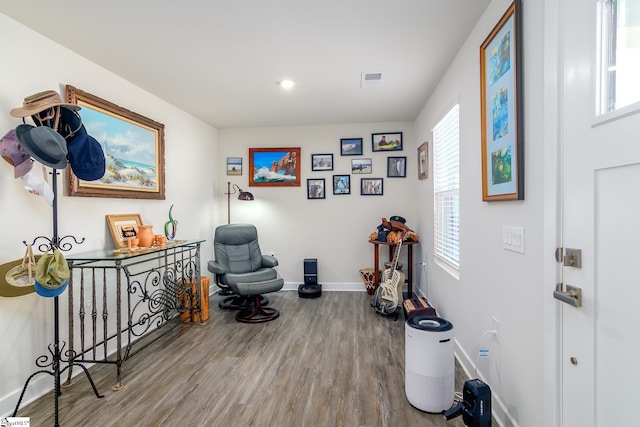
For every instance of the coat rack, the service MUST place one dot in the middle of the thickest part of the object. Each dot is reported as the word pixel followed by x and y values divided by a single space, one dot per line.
pixel 50 363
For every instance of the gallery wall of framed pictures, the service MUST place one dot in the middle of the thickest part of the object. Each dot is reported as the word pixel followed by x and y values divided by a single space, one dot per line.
pixel 355 176
pixel 361 163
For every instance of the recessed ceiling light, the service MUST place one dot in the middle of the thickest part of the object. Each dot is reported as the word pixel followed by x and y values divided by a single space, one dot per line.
pixel 286 84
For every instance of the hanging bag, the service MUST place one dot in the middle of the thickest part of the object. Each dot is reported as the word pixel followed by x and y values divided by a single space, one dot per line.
pixel 24 274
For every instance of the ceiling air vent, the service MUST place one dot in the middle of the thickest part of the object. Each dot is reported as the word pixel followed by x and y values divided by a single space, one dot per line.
pixel 371 80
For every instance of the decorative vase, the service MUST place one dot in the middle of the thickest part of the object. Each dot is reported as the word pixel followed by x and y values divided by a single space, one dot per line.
pixel 146 236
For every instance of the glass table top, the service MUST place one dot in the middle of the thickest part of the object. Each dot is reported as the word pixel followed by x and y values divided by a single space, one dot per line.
pixel 125 253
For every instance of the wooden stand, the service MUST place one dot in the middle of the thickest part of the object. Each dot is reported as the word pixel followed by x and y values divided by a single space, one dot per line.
pixel 376 262
pixel 204 301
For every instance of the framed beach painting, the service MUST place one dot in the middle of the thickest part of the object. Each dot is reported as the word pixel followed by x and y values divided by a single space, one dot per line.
pixel 274 167
pixel 234 165
pixel 501 109
pixel 363 165
pixel 133 147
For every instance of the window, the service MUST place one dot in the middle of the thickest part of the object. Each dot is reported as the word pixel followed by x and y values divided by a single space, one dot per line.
pixel 446 189
pixel 619 56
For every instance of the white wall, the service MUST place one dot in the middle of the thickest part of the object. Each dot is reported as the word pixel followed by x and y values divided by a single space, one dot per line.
pixel 493 282
pixel 32 64
pixel 335 230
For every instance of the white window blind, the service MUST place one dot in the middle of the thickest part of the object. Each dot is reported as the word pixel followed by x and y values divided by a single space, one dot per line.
pixel 446 183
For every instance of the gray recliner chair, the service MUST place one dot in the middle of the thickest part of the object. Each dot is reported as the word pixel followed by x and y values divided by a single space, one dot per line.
pixel 242 270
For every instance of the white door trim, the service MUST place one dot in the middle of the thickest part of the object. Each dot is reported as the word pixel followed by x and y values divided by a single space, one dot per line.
pixel 552 230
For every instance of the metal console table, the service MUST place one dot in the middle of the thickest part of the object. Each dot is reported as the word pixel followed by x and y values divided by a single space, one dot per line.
pixel 156 287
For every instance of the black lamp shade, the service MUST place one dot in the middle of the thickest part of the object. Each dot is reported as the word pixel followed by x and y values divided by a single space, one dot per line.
pixel 245 195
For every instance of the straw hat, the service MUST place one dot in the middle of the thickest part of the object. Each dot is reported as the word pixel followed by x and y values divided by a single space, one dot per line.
pixel 41 101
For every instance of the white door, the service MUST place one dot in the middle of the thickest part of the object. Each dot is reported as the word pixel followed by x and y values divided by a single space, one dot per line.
pixel 600 170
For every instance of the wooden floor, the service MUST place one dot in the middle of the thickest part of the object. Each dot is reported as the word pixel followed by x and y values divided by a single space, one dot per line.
pixel 329 361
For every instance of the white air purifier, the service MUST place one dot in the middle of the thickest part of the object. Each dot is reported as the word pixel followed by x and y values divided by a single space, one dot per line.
pixel 429 363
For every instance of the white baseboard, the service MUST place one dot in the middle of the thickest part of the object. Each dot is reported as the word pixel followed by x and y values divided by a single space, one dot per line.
pixel 293 286
pixel 38 386
pixel 345 287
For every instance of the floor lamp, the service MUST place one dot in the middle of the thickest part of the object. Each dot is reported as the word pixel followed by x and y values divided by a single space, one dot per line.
pixel 243 195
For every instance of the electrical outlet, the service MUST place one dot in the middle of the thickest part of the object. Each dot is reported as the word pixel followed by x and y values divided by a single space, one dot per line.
pixel 496 327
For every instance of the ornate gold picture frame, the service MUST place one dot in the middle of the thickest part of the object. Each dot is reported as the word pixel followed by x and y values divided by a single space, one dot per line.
pixel 133 146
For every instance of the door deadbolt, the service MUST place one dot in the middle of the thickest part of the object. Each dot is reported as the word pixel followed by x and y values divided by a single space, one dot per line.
pixel 572 258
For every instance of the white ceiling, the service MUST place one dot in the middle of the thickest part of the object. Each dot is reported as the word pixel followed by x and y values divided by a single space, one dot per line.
pixel 220 59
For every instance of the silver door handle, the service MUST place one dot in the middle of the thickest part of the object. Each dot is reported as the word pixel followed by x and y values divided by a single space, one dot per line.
pixel 572 296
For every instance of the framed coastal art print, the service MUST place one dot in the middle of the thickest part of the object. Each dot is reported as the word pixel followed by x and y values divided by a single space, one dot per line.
pixel 133 147
pixel 274 167
pixel 501 109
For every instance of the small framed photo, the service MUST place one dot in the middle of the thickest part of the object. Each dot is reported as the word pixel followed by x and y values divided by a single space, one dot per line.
pixel 396 167
pixel 361 166
pixel 322 162
pixel 371 186
pixel 341 184
pixel 423 161
pixel 315 188
pixel 386 141
pixel 234 165
pixel 351 147
pixel 123 227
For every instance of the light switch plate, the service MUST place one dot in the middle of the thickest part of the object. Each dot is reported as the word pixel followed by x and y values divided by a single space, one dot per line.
pixel 513 238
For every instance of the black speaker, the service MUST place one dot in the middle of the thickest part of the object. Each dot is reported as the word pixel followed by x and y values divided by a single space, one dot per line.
pixel 311 271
